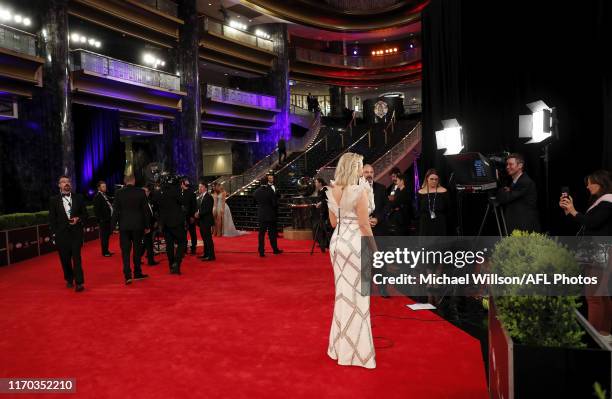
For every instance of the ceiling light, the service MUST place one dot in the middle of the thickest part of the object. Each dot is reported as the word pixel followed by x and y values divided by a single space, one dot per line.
pixel 27 21
pixel 5 14
pixel 18 18
pixel 97 44
pixel 91 42
pixel 74 37
pixel 83 39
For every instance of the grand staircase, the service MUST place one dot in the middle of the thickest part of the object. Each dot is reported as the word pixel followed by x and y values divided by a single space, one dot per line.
pixel 374 142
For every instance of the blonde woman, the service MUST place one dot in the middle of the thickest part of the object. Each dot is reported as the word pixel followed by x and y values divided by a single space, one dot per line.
pixel 350 338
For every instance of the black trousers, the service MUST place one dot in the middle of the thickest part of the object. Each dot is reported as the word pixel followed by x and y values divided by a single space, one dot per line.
pixel 128 240
pixel 105 233
pixel 191 228
pixel 148 245
pixel 320 226
pixel 270 227
pixel 175 235
pixel 69 245
pixel 282 156
pixel 209 245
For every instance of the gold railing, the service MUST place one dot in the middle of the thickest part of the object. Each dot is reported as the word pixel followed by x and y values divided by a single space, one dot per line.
pixel 368 61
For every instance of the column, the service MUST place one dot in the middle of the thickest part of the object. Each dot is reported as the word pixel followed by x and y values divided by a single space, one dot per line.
pixel 336 99
pixel 280 82
pixel 56 95
pixel 187 154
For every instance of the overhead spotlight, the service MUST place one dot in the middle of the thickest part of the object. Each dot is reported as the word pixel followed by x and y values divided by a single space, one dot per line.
pixel 91 42
pixel 83 39
pixel 354 52
pixel 538 126
pixel 450 138
pixel 98 44
pixel 373 52
pixel 18 18
pixel 395 50
pixel 27 21
pixel 5 15
pixel 411 45
pixel 74 37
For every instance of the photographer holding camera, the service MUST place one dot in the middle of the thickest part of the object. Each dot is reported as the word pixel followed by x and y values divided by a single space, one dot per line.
pixel 172 220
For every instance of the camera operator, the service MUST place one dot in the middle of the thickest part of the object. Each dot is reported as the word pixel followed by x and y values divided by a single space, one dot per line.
pixel 520 198
pixel 172 220
pixel 153 226
pixel 189 202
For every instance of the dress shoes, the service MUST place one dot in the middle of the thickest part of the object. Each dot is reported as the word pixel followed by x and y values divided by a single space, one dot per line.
pixel 278 252
pixel 108 254
pixel 69 284
pixel 262 255
pixel 128 281
pixel 153 263
pixel 140 276
pixel 79 288
pixel 208 258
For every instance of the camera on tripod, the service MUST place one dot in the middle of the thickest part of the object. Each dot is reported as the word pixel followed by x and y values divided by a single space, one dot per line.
pixel 474 173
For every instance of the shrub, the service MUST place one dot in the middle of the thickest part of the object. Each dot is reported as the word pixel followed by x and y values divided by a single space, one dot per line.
pixel 536 320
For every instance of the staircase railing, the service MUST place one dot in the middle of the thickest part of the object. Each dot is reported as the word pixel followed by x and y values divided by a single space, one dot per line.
pixel 327 171
pixel 398 151
pixel 299 143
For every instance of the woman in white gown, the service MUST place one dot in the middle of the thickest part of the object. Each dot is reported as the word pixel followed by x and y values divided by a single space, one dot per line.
pixel 223 219
pixel 350 338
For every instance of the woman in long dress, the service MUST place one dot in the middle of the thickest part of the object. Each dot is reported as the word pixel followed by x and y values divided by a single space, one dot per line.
pixel 350 338
pixel 218 209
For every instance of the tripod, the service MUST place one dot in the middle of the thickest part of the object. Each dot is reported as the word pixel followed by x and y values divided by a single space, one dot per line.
pixel 319 229
pixel 499 214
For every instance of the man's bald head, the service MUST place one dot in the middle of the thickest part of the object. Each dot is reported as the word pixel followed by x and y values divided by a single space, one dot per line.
pixel 368 173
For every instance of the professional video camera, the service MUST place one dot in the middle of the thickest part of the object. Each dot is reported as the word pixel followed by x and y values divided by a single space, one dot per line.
pixel 155 175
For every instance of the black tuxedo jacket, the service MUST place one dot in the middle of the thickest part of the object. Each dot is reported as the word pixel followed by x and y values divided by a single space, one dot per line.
pixel 152 212
pixel 380 207
pixel 58 220
pixel 206 210
pixel 521 205
pixel 267 203
pixel 101 208
pixel 189 201
pixel 169 204
pixel 130 209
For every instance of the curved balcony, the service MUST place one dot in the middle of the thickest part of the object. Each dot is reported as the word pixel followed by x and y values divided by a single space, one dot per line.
pixel 106 82
pixel 357 62
pixel 20 67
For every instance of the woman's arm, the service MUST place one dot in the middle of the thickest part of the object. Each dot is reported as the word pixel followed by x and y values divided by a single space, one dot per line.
pixel 333 220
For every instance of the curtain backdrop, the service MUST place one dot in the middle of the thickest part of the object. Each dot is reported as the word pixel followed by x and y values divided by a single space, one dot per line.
pixel 483 61
pixel 100 155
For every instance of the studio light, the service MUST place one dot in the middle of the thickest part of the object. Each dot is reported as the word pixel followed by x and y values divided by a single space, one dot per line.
pixel 261 33
pixel 153 61
pixel 539 125
pixel 450 138
pixel 238 25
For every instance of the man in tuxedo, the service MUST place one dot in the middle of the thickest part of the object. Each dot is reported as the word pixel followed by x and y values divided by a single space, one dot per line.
pixel 266 197
pixel 66 212
pixel 148 237
pixel 207 221
pixel 131 212
pixel 104 211
pixel 377 217
pixel 520 198
pixel 391 190
pixel 172 220
pixel 188 199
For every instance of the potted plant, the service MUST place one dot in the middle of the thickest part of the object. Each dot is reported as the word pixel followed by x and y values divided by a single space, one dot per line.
pixel 541 346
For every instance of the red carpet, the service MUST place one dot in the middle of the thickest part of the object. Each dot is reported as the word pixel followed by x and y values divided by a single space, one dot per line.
pixel 241 327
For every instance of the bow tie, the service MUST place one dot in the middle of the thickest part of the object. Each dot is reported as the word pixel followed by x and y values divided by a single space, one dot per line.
pixel 65 195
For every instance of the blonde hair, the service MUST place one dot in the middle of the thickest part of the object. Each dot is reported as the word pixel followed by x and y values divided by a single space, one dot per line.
pixel 349 169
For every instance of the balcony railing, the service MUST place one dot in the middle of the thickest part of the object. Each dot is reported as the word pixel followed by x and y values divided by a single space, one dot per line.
pixel 398 151
pixel 17 40
pixel 374 61
pixel 106 66
pixel 237 35
pixel 362 5
pixel 165 6
pixel 238 97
